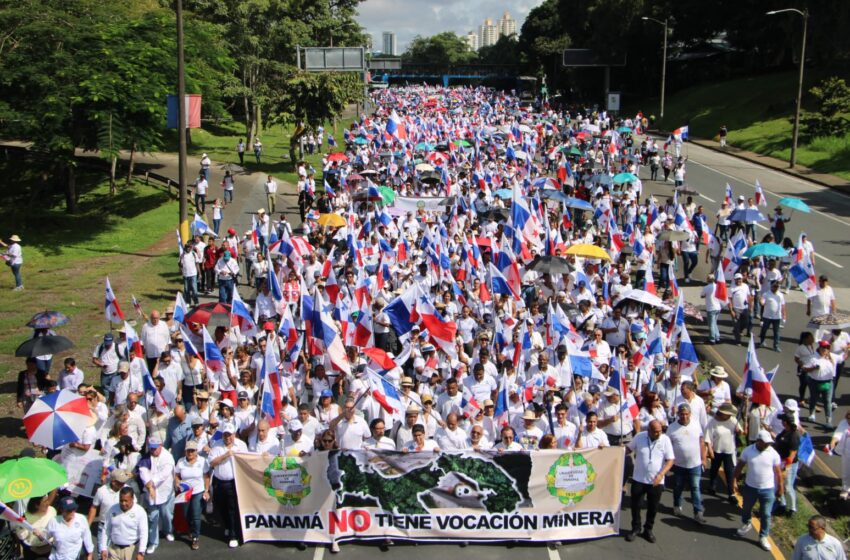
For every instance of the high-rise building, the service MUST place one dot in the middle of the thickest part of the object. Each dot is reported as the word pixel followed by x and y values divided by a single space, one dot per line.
pixel 472 40
pixel 389 44
pixel 488 33
pixel 507 25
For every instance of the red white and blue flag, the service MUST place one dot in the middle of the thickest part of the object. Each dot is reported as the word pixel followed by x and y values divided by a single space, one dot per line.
pixel 112 309
pixel 213 358
pixel 184 493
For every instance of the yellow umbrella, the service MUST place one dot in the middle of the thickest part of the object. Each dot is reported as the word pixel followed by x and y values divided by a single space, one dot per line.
pixel 331 220
pixel 589 251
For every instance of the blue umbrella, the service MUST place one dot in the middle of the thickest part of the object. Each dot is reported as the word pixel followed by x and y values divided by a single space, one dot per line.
pixel 765 250
pixel 795 204
pixel 503 193
pixel 578 204
pixel 624 130
pixel 360 140
pixel 554 195
pixel 747 215
pixel 621 178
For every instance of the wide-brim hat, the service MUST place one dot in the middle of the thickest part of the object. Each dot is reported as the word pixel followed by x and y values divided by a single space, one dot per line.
pixel 719 372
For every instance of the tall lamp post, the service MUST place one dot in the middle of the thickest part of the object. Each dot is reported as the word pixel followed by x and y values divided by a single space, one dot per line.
pixel 795 134
pixel 663 59
pixel 181 128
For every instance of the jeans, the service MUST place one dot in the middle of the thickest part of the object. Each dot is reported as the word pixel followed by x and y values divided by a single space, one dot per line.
pixel 689 262
pixel 228 195
pixel 723 232
pixel 16 272
pixel 663 276
pixel 789 499
pixel 750 231
pixel 192 511
pixel 766 324
pixel 713 331
pixel 216 226
pixel 821 390
pixel 160 517
pixel 682 476
pixel 225 290
pixel 653 497
pixel 200 202
pixel 728 463
pixel 765 497
pixel 257 154
pixel 190 289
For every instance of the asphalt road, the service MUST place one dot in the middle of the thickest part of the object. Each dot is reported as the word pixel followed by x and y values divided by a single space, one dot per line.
pixel 827 227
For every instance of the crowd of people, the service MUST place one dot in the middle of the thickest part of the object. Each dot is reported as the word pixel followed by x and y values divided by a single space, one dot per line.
pixel 461 269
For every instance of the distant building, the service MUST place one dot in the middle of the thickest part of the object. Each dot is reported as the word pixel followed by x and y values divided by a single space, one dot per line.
pixel 389 44
pixel 488 33
pixel 472 40
pixel 507 25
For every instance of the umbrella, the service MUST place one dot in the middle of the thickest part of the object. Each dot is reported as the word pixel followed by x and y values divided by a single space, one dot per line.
pixel 331 220
pixel 795 204
pixel 463 143
pixel 387 194
pixel 765 250
pixel 673 235
pixel 212 314
pixel 430 177
pixel 589 251
pixel 368 172
pixel 57 418
pixel 354 177
pixel 554 195
pixel 524 128
pixel 360 141
pixel 830 321
pixel 621 178
pixel 624 130
pixel 645 297
pixel 437 158
pixel 30 477
pixel 424 167
pixel 601 179
pixel 503 193
pixel 47 320
pixel 747 215
pixel 550 265
pixel 337 156
pixel 495 213
pixel 40 345
pixel 519 154
pixel 423 147
pixel 578 204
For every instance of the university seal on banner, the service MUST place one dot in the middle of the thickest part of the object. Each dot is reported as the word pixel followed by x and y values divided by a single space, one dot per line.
pixel 287 481
pixel 570 478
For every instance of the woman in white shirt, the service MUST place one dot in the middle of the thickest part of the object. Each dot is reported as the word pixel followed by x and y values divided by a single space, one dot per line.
pixel 193 470
pixel 652 409
pixel 821 371
pixel 804 353
pixel 720 437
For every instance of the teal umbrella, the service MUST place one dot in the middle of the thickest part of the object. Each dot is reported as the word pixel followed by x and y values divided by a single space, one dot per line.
pixel 795 204
pixel 423 147
pixel 624 130
pixel 765 250
pixel 621 178
pixel 360 140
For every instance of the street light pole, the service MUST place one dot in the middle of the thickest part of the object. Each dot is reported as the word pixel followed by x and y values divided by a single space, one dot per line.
pixel 663 59
pixel 181 128
pixel 795 134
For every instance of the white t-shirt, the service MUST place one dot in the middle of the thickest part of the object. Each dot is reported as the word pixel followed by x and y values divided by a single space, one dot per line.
pixel 760 466
pixel 773 305
pixel 721 435
pixel 650 456
pixel 352 434
pixel 711 301
pixel 192 474
pixel 686 443
pixel 822 301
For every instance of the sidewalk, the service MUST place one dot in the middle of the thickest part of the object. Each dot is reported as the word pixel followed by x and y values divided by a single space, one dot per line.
pixel 800 171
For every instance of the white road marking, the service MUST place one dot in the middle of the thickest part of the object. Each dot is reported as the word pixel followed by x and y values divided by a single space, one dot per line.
pixel 831 217
pixel 553 553
pixel 711 200
pixel 319 553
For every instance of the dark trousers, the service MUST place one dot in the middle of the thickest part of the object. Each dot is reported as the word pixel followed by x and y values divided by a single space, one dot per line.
pixel 653 497
pixel 224 501
pixel 742 323
pixel 773 324
pixel 724 459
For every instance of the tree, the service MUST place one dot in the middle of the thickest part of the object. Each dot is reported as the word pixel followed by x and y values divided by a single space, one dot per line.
pixel 444 49
pixel 505 51
pixel 833 102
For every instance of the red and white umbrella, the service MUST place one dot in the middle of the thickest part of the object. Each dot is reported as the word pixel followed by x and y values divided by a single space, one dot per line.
pixel 57 418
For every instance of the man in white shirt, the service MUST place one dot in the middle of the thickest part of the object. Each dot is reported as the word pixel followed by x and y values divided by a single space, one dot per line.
pixel 614 419
pixel 156 472
pixel 155 337
pixel 824 301
pixel 379 441
pixel 271 193
pixel 712 309
pixel 201 186
pixel 615 328
pixel 452 437
pixel 591 436
pixel 351 430
pixel 740 307
pixel 688 442
pixel 223 468
pixel 295 444
pixel 817 544
pixel 507 443
pixel 566 433
pixel 764 483
pixel 773 314
pixel 124 529
pixel 263 442
pixel 653 459
pixel 419 444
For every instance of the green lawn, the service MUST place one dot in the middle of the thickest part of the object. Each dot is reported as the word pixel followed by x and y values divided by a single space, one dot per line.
pixel 757 112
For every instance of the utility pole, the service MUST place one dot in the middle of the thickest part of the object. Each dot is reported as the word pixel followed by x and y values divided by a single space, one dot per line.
pixel 181 128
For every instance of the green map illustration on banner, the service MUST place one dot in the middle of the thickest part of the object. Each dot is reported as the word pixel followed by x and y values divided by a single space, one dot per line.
pixel 415 484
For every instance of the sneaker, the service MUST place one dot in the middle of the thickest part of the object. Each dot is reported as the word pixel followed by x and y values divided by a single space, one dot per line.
pixel 169 537
pixel 745 529
pixel 843 495
pixel 834 406
pixel 813 418
pixel 699 518
pixel 647 534
pixel 765 544
pixel 334 547
pixel 233 543
pixel 630 536
pixel 196 544
pixel 677 511
pixel 151 549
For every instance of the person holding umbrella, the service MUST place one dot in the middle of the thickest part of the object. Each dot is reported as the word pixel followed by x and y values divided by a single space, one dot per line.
pixel 39 514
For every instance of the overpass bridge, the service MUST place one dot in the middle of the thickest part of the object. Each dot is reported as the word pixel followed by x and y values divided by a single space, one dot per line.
pixel 395 71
